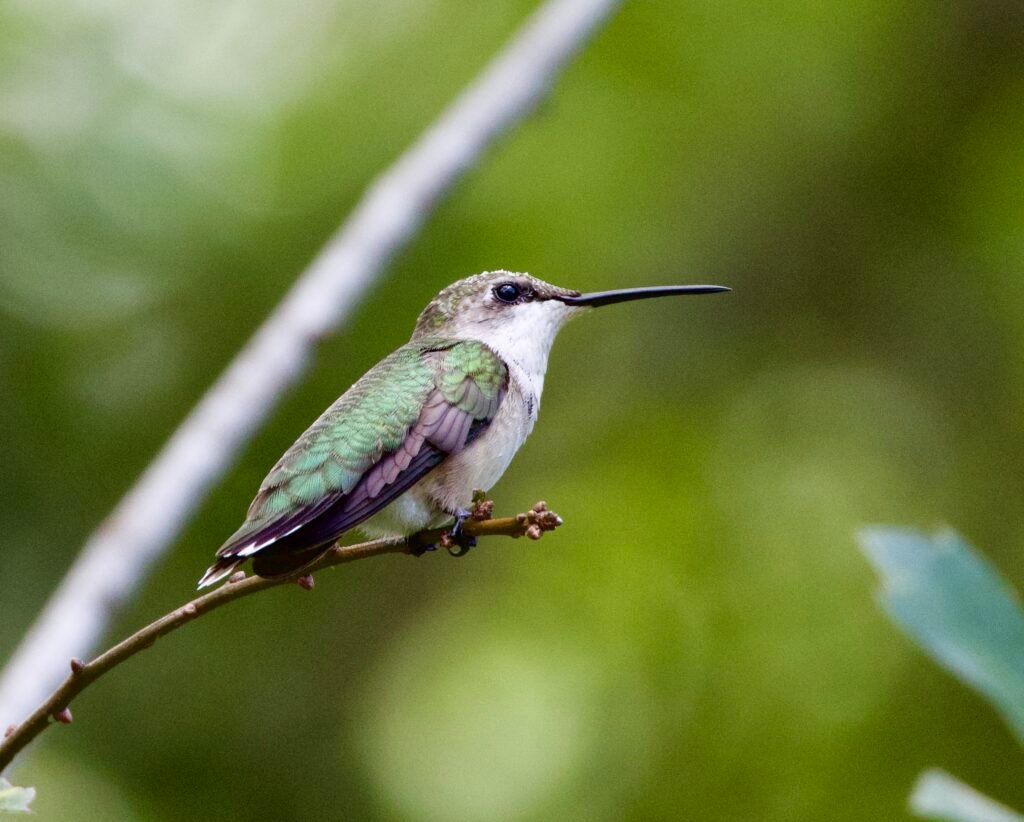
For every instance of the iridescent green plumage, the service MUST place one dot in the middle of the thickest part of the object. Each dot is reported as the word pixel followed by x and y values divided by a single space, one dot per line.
pixel 371 418
pixel 367 427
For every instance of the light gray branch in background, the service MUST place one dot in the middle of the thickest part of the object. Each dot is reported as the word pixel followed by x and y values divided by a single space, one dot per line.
pixel 117 556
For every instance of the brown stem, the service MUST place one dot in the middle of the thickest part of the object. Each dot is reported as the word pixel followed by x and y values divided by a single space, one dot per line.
pixel 83 674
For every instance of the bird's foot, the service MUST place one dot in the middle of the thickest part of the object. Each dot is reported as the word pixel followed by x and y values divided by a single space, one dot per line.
pixel 418 549
pixel 455 541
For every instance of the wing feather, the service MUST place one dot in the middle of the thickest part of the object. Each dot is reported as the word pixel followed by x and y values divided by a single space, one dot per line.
pixel 365 451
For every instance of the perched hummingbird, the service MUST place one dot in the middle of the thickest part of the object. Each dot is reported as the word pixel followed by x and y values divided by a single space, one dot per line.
pixel 405 447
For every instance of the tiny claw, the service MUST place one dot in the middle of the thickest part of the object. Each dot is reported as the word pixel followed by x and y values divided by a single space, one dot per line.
pixel 418 548
pixel 460 517
pixel 461 547
pixel 63 716
pixel 456 538
pixel 305 582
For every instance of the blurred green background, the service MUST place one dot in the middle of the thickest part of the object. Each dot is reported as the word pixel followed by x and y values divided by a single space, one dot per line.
pixel 700 641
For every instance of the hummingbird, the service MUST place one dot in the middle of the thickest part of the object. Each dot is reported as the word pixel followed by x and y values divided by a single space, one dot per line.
pixel 405 448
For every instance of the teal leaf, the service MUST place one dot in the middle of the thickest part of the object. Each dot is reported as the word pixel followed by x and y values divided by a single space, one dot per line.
pixel 15 800
pixel 937 795
pixel 947 597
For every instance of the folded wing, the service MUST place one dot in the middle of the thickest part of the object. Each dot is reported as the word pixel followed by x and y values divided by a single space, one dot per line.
pixel 425 402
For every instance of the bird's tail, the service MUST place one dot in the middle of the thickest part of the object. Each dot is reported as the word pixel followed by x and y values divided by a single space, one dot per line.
pixel 219 570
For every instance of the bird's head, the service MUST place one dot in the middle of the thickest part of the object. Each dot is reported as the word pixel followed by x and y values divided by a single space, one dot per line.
pixel 496 304
pixel 504 305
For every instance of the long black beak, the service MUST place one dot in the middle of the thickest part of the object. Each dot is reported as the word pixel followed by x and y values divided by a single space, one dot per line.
pixel 621 295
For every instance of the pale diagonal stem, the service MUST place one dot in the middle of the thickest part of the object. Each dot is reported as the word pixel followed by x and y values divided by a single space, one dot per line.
pixel 118 555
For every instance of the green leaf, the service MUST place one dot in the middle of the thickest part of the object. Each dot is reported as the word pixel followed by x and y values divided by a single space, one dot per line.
pixel 938 795
pixel 15 800
pixel 947 597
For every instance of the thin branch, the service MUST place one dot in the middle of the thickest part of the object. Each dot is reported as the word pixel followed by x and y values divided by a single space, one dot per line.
pixel 117 556
pixel 56 707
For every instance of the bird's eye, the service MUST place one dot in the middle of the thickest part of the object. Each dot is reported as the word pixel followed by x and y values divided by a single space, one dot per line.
pixel 507 292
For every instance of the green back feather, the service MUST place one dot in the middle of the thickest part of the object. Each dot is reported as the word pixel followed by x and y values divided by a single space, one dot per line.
pixel 372 418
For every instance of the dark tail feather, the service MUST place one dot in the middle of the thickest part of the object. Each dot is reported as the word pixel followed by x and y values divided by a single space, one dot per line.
pixel 273 564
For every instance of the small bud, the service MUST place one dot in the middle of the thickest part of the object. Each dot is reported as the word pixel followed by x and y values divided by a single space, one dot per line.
pixel 10 731
pixel 238 576
pixel 540 507
pixel 534 532
pixel 521 519
pixel 77 666
pixel 64 716
pixel 305 582
pixel 189 608
pixel 483 510
pixel 549 521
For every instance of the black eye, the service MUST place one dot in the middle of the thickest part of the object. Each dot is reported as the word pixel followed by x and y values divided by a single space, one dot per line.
pixel 507 292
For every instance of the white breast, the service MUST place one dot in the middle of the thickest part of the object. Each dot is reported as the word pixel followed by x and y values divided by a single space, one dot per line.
pixel 523 343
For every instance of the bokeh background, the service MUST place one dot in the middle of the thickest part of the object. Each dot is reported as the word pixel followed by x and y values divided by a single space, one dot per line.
pixel 700 641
